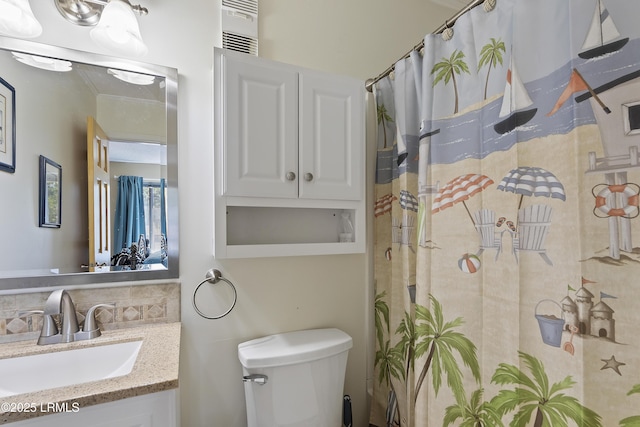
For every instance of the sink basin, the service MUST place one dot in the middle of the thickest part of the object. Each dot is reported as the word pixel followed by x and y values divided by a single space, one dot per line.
pixel 25 374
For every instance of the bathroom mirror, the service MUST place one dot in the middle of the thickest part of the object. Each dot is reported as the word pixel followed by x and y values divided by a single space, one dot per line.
pixel 105 121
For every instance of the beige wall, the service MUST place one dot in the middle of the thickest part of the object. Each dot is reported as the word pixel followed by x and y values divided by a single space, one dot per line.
pixel 358 38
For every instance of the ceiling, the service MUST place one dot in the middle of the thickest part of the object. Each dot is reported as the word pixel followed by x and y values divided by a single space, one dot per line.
pixel 104 83
pixel 138 152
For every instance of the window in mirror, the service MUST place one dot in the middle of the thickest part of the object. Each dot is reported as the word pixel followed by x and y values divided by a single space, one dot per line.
pixel 155 224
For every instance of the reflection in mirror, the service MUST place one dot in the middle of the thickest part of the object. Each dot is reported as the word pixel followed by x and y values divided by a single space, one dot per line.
pixel 111 124
pixel 50 193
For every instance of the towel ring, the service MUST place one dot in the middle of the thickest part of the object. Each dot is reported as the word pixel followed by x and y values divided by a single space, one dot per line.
pixel 213 276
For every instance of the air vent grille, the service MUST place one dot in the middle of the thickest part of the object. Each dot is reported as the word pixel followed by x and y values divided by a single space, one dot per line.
pixel 240 43
pixel 248 6
pixel 240 26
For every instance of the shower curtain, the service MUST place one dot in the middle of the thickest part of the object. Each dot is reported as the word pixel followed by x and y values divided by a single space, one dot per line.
pixel 506 203
pixel 129 214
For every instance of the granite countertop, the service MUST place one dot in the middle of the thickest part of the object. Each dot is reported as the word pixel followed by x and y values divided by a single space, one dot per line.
pixel 155 370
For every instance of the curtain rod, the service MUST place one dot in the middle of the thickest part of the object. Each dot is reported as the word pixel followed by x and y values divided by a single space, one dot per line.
pixel 448 23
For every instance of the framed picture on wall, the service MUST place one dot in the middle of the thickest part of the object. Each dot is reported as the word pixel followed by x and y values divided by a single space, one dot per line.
pixel 7 127
pixel 50 193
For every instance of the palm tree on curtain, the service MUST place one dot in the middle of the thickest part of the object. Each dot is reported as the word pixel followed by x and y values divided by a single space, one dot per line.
pixel 407 343
pixel 475 413
pixel 389 360
pixel 382 317
pixel 491 55
pixel 534 394
pixel 635 420
pixel 383 117
pixel 439 340
pixel 447 69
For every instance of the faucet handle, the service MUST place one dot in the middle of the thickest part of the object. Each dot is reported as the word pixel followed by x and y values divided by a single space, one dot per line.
pixel 49 327
pixel 90 329
pixel 49 332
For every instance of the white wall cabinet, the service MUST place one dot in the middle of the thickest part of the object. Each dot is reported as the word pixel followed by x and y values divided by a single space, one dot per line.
pixel 289 158
pixel 260 126
pixel 150 410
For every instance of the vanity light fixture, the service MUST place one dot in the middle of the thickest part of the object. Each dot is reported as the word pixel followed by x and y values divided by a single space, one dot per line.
pixel 118 28
pixel 114 21
pixel 131 77
pixel 17 19
pixel 43 62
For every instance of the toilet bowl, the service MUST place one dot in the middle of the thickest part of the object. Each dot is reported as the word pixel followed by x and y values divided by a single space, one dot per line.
pixel 295 379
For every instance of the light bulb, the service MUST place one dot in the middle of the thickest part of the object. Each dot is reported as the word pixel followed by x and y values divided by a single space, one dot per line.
pixel 17 19
pixel 118 30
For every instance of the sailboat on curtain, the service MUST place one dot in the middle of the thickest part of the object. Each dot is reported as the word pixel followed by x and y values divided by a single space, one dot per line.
pixel 603 36
pixel 515 103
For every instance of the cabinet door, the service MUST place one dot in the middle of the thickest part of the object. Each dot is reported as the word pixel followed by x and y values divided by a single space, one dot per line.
pixel 260 109
pixel 331 137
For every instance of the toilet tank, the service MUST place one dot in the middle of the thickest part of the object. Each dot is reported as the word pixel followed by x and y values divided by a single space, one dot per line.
pixel 295 379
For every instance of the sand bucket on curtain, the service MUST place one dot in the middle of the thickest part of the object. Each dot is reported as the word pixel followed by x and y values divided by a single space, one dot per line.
pixel 550 325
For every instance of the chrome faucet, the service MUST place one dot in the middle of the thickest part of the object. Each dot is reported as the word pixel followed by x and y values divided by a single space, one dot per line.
pixel 60 304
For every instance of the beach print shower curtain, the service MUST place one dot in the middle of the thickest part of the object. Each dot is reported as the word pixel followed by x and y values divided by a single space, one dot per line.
pixel 507 237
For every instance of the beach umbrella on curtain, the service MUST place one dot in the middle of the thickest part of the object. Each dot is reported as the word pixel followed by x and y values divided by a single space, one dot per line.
pixel 383 204
pixel 408 201
pixel 459 190
pixel 532 181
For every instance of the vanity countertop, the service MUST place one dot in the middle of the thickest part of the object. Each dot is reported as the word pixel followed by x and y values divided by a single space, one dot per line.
pixel 155 370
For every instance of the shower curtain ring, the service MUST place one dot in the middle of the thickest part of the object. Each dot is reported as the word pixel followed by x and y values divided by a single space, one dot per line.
pixel 489 5
pixel 447 33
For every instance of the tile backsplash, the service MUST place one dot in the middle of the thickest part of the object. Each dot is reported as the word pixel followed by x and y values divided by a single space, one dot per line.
pixel 134 305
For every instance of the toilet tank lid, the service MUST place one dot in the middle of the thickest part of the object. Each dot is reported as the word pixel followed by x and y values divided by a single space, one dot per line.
pixel 293 347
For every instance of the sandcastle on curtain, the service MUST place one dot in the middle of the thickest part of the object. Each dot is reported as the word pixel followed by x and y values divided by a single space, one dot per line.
pixel 507 197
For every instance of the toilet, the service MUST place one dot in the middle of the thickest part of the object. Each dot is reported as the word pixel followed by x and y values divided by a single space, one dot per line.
pixel 295 379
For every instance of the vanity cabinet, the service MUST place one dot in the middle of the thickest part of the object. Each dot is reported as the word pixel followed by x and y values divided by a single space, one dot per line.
pixel 150 410
pixel 289 158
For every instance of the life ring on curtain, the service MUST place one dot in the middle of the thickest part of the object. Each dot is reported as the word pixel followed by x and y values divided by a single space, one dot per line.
pixel 631 207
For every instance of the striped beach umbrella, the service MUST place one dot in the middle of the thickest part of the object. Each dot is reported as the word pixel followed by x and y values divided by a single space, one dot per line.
pixel 383 204
pixel 532 181
pixel 458 190
pixel 408 201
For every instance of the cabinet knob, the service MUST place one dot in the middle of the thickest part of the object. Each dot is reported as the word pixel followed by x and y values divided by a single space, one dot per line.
pixel 290 176
pixel 308 176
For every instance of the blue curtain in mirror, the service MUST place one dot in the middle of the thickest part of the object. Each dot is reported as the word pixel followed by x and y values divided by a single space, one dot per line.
pixel 129 222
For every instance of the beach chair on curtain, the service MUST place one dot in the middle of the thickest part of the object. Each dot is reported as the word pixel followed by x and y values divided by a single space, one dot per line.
pixel 403 231
pixel 532 229
pixel 490 237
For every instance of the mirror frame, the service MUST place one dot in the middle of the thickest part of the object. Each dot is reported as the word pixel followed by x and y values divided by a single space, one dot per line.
pixel 171 93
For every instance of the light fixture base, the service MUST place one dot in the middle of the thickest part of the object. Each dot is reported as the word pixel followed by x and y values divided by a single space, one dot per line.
pixel 80 12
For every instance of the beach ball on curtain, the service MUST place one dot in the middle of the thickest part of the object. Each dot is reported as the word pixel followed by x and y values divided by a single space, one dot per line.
pixel 469 263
